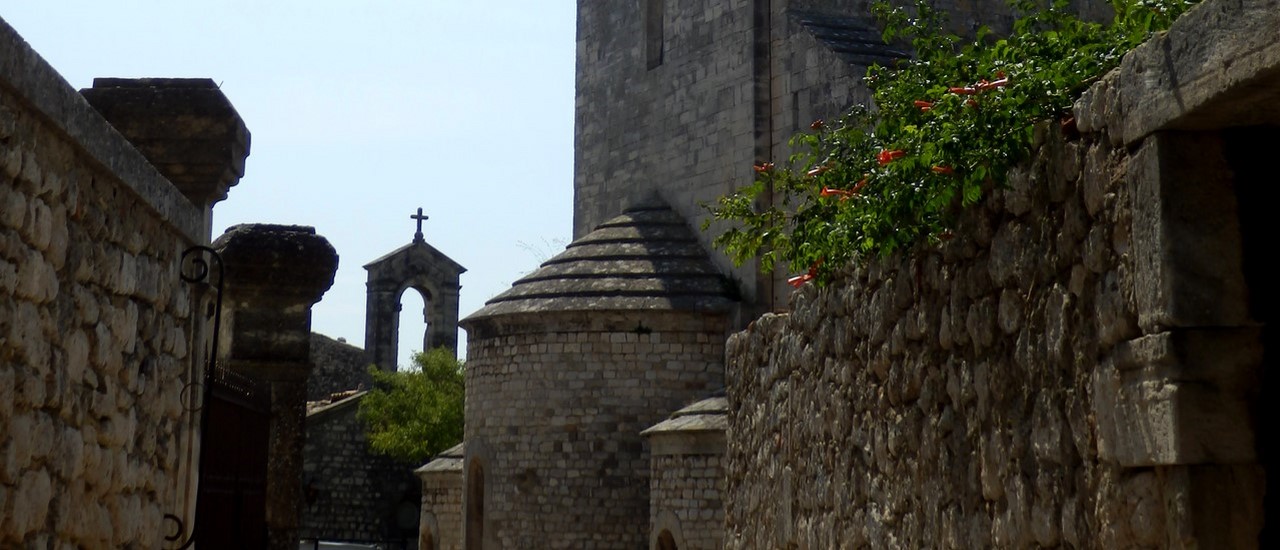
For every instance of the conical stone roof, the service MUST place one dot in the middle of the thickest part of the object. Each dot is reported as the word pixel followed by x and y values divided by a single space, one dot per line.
pixel 645 259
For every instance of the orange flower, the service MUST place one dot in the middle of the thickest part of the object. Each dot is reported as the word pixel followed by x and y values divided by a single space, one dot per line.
pixel 831 192
pixel 944 170
pixel 962 90
pixel 983 85
pixel 861 183
pixel 818 170
pixel 763 167
pixel 886 156
pixel 800 280
pixel 817 124
pixel 923 105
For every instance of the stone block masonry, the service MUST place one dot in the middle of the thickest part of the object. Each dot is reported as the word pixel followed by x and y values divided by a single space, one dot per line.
pixel 350 493
pixel 95 323
pixel 554 419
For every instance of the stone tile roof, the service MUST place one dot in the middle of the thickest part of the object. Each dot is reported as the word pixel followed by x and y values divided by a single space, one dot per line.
pixel 448 461
pixel 857 40
pixel 707 415
pixel 646 259
pixel 335 401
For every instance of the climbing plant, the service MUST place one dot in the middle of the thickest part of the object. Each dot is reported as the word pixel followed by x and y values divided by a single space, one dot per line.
pixel 947 125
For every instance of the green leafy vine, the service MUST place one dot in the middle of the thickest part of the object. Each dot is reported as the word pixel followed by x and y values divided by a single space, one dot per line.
pixel 947 126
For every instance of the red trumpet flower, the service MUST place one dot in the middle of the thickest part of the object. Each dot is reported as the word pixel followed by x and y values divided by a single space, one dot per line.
pixel 923 105
pixel 831 192
pixel 886 156
pixel 799 280
pixel 763 167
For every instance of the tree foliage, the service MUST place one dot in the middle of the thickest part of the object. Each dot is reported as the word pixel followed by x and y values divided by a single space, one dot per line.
pixel 413 415
pixel 947 125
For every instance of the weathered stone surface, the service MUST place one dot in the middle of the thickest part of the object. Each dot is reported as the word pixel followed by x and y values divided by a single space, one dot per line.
pixel 185 127
pixel 1218 66
pixel 1186 234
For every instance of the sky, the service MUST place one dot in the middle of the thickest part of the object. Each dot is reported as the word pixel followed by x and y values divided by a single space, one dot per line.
pixel 361 111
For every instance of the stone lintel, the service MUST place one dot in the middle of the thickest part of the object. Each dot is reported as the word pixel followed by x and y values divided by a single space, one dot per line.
pixel 1188 256
pixel 1217 66
pixel 1179 397
pixel 186 127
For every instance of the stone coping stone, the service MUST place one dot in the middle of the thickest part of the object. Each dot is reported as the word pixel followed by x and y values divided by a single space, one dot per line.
pixel 709 414
pixel 319 410
pixel 28 76
pixel 448 461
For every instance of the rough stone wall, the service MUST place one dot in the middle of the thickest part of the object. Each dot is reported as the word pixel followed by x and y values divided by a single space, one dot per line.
pixel 339 367
pixel 690 487
pixel 1084 364
pixel 94 323
pixel 351 493
pixel 555 405
pixel 945 398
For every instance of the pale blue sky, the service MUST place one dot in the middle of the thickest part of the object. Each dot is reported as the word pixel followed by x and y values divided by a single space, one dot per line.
pixel 361 111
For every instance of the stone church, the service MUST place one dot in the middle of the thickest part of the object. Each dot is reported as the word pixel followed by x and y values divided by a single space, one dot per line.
pixel 609 407
pixel 595 404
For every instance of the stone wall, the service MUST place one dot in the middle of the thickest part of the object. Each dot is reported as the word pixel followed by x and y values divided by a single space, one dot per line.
pixel 689 487
pixel 1078 366
pixel 339 367
pixel 691 127
pixel 555 405
pixel 442 487
pixel 95 323
pixel 351 493
pixel 944 399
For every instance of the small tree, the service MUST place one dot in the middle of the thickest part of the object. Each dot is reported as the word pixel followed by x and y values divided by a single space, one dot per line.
pixel 415 414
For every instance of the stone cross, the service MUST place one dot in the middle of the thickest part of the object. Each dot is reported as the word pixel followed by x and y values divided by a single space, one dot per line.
pixel 417 237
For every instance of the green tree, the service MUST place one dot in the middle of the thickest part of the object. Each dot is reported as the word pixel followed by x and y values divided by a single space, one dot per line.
pixel 415 414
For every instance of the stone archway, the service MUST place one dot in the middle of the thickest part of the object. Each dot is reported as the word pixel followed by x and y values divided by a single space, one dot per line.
pixel 420 267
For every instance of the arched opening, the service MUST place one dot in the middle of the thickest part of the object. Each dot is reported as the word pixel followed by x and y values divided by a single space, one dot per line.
pixel 666 541
pixel 475 506
pixel 411 334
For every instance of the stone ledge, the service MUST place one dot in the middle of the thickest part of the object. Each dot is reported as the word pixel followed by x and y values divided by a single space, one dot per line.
pixel 29 77
pixel 1178 398
pixel 1218 65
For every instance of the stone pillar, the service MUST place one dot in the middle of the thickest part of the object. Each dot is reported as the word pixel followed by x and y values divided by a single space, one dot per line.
pixel 185 127
pixel 1179 400
pixel 382 324
pixel 274 275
